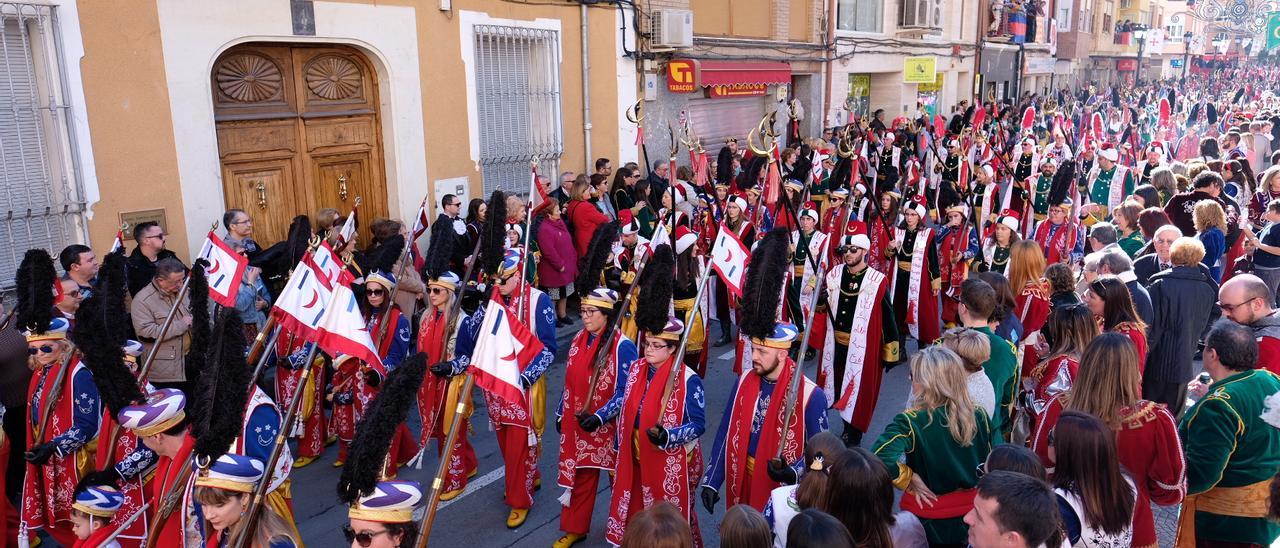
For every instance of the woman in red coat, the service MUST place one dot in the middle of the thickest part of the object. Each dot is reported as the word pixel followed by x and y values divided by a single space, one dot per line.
pixel 1146 435
pixel 583 214
pixel 559 263
pixel 1109 300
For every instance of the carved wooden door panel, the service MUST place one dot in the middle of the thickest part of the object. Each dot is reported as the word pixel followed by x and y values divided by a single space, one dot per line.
pixel 298 131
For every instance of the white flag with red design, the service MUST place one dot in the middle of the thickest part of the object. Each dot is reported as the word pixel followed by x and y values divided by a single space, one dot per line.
pixel 327 263
pixel 118 245
pixel 343 329
pixel 348 230
pixel 503 344
pixel 302 302
pixel 225 270
pixel 729 258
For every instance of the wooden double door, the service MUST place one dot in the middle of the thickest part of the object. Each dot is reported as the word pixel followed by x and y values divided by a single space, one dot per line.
pixel 298 131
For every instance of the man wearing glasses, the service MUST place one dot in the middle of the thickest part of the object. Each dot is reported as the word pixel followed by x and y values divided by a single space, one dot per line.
pixel 239 229
pixel 451 214
pixel 1246 300
pixel 141 265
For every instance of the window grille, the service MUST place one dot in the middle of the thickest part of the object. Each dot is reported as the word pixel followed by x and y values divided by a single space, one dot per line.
pixel 518 98
pixel 42 202
pixel 925 14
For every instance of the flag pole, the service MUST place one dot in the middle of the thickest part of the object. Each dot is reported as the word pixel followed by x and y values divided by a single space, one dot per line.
pixel 796 381
pixel 598 359
pixel 689 318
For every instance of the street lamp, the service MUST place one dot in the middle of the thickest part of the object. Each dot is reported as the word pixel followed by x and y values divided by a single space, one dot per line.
pixel 1186 54
pixel 1139 32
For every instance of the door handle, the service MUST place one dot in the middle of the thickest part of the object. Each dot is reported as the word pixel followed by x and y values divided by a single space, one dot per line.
pixel 261 187
pixel 342 187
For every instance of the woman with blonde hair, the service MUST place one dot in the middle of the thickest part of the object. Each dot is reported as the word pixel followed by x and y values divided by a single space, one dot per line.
pixel 1211 230
pixel 933 448
pixel 1146 435
pixel 974 349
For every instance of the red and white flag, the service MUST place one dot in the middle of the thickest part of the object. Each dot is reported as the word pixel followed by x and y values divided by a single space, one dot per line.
pixel 343 329
pixel 503 344
pixel 226 269
pixel 348 230
pixel 729 258
pixel 327 263
pixel 301 304
pixel 117 245
pixel 420 223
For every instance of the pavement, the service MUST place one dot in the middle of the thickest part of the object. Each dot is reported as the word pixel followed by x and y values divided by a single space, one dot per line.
pixel 477 518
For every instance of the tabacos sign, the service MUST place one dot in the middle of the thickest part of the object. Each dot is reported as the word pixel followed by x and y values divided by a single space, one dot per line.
pixel 736 90
pixel 682 76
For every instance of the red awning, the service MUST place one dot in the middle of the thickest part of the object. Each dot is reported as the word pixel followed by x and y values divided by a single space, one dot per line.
pixel 721 73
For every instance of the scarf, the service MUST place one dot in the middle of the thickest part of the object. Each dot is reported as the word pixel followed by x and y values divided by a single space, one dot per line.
pixel 753 486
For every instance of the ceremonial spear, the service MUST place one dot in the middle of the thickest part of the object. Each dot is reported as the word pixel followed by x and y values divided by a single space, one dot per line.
pixel 145 368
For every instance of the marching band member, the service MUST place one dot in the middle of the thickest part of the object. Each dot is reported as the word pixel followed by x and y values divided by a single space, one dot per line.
pixel 983 198
pixel 996 247
pixel 162 424
pixel 1040 189
pixel 917 279
pixel 809 260
pixel 957 246
pixel 586 412
pixel 58 445
pixel 863 337
pixel 751 427
pixel 92 512
pixel 438 397
pixel 223 494
pixel 658 454
pixel 383 518
pixel 688 269
pixel 736 221
pixel 1108 183
pixel 1061 239
pixel 880 226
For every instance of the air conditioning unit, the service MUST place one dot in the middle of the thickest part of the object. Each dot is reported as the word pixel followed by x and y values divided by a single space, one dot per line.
pixel 672 28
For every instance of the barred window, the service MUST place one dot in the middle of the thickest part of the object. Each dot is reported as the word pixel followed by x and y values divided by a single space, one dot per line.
pixel 42 199
pixel 518 95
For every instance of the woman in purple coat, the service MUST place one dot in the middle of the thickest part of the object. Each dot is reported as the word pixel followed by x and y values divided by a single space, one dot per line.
pixel 559 263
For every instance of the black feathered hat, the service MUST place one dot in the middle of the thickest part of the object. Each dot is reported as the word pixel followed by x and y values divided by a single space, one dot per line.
pixel 36 279
pixel 442 244
pixel 201 324
pixel 762 292
pixel 657 283
pixel 366 461
pixel 591 265
pixel 223 391
pixel 494 234
pixel 1062 181
pixel 98 335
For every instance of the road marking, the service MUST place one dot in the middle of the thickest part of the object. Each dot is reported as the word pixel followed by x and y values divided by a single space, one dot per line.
pixel 726 355
pixel 479 483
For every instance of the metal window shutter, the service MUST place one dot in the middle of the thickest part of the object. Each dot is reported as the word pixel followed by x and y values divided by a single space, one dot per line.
pixel 40 204
pixel 715 120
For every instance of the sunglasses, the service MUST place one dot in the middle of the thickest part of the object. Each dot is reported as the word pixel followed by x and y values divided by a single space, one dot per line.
pixel 438 290
pixel 363 538
pixel 42 349
pixel 376 292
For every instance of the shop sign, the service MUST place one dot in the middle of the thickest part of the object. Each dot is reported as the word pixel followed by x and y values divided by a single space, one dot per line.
pixel 736 90
pixel 934 86
pixel 1176 62
pixel 1040 65
pixel 682 76
pixel 1126 65
pixel 859 85
pixel 919 70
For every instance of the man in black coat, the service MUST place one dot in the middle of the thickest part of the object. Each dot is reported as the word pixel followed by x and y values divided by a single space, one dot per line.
pixel 1183 299
pixel 1148 265
pixel 140 266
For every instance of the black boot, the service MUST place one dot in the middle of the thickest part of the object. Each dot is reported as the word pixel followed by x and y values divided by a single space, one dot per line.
pixel 852 437
pixel 724 335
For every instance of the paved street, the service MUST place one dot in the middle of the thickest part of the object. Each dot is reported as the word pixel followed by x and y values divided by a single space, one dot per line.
pixel 477 518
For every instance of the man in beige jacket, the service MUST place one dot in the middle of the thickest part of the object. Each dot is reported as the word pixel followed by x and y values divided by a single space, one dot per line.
pixel 149 309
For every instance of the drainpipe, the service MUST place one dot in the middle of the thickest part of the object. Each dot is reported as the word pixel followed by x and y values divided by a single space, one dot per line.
pixel 586 94
pixel 831 39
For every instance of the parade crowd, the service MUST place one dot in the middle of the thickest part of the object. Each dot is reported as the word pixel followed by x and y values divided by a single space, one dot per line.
pixel 1081 283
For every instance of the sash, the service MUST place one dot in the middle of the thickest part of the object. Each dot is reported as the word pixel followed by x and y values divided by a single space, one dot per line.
pixel 917 270
pixel 1115 197
pixel 749 484
pixel 1248 501
pixel 951 505
pixel 46 490
pixel 173 532
pixel 1059 244
pixel 857 352
pixel 956 242
pixel 578 449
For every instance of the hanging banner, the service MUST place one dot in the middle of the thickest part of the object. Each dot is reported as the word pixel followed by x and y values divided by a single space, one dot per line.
pixel 919 70
pixel 1155 41
pixel 1273 31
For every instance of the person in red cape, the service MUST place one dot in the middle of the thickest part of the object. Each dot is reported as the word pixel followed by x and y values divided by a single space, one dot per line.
pixel 291 352
pixel 55 455
pixel 957 245
pixel 438 397
pixel 809 249
pixel 1031 295
pixel 835 217
pixel 1061 239
pixel 586 412
pixel 128 472
pixel 91 514
pixel 879 231
pixel 762 392
pixel 735 219
pixel 162 425
pixel 916 280
pixel 658 452
pixel 863 337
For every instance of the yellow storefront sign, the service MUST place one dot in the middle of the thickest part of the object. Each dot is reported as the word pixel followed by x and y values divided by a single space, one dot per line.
pixel 934 86
pixel 859 85
pixel 919 70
